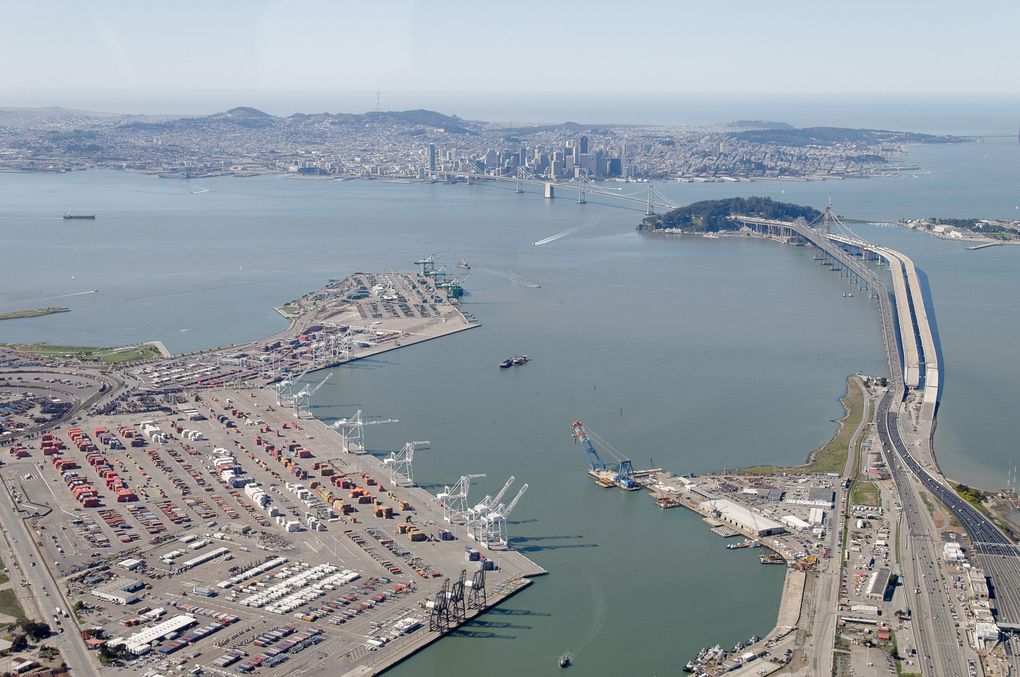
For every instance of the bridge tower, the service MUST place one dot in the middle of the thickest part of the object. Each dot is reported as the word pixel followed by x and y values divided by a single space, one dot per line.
pixel 520 180
pixel 580 191
pixel 648 203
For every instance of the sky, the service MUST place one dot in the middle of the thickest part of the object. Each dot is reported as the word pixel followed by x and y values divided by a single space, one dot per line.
pixel 143 53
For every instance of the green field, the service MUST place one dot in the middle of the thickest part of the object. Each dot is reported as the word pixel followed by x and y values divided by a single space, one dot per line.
pixel 90 354
pixel 35 312
pixel 9 604
pixel 830 458
pixel 865 493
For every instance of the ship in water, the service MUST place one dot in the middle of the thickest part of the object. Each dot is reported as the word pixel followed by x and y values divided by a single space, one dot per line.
pixel 68 216
pixel 464 265
pixel 515 361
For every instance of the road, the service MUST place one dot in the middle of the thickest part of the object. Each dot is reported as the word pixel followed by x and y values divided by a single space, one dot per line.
pixel 18 541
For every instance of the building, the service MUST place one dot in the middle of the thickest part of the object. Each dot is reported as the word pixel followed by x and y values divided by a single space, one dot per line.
pixel 795 522
pixel 139 643
pixel 878 583
pixel 432 157
pixel 121 591
pixel 742 518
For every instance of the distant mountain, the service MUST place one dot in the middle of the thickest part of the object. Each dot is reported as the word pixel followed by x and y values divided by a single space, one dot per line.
pixel 824 136
pixel 251 118
pixel 757 124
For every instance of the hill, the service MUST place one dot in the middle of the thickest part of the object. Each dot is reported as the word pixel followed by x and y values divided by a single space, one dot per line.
pixel 711 216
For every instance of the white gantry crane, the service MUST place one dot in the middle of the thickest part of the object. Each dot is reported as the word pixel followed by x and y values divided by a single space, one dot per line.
pixel 303 398
pixel 285 389
pixel 455 498
pixel 352 431
pixel 401 462
pixel 492 529
pixel 488 503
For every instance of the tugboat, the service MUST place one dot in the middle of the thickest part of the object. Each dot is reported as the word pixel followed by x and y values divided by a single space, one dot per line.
pixel 565 661
pixel 464 265
pixel 518 360
pixel 507 363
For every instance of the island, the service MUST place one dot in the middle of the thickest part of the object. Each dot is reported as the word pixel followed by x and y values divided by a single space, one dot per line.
pixel 712 216
pixel 35 312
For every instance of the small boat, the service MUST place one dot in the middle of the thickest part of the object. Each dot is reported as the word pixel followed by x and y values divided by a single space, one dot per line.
pixel 518 360
pixel 689 667
pixel 565 661
pixel 464 265
pixel 507 363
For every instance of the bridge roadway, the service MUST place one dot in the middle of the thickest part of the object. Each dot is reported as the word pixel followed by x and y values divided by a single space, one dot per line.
pixel 582 188
pixel 902 266
pixel 938 642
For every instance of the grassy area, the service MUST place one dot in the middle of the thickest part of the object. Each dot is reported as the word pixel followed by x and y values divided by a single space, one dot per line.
pixel 9 604
pixel 865 493
pixel 89 354
pixel 3 576
pixel 830 458
pixel 35 312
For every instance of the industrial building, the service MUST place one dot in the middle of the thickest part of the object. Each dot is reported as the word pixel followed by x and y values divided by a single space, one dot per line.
pixel 122 591
pixel 139 643
pixel 878 583
pixel 742 518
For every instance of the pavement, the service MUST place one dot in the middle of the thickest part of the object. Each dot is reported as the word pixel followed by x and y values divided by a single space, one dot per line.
pixel 25 563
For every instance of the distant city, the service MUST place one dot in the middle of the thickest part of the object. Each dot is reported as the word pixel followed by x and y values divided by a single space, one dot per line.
pixel 424 145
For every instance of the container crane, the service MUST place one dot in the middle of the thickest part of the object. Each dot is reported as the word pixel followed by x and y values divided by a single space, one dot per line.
pixel 402 461
pixel 454 499
pixel 620 475
pixel 303 398
pixel 352 431
pixel 495 531
pixel 285 389
pixel 490 502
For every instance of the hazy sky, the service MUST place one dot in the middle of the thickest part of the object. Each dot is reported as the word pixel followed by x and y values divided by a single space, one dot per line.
pixel 50 48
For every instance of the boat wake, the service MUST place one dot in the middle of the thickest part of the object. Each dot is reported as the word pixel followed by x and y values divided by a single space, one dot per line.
pixel 521 282
pixel 553 238
pixel 77 293
pixel 199 191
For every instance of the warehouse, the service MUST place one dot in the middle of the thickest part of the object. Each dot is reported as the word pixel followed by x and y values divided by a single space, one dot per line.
pixel 122 591
pixel 738 516
pixel 878 583
pixel 139 642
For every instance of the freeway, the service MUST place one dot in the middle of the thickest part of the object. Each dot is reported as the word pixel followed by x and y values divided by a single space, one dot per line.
pixel 939 643
pixel 29 563
pixel 979 527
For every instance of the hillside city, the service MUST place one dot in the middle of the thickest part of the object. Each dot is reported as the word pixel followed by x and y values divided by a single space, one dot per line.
pixel 424 145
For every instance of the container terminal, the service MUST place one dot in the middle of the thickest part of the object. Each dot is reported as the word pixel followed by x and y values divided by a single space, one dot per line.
pixel 190 514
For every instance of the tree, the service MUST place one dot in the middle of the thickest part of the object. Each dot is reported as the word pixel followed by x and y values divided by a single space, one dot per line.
pixel 35 629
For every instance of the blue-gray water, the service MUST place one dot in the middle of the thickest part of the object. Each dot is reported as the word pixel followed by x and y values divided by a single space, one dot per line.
pixel 699 354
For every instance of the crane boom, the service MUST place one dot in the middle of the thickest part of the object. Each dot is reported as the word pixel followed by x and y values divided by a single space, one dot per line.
pixel 595 461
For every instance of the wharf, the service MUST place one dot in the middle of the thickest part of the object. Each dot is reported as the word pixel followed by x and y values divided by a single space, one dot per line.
pixel 362 315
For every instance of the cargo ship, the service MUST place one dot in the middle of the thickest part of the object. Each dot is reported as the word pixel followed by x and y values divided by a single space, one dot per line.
pixel 69 215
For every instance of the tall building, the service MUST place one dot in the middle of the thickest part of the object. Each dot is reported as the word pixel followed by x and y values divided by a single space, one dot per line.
pixel 432 157
pixel 582 145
